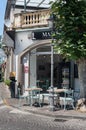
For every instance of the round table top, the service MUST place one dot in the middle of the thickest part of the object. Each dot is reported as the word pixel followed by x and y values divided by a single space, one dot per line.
pixel 30 89
pixel 58 90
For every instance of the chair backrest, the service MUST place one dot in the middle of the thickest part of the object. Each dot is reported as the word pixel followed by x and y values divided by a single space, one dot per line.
pixel 33 86
pixel 35 93
pixel 69 93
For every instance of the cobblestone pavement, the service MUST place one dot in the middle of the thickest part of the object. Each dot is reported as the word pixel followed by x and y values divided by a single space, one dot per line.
pixel 69 114
pixel 14 118
pixel 4 91
pixel 45 110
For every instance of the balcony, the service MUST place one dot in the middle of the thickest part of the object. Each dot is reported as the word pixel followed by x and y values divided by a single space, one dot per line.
pixel 31 19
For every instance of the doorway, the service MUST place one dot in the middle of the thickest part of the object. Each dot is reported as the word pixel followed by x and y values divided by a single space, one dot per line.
pixel 43 67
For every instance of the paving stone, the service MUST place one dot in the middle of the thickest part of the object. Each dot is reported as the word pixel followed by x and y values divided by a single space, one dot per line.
pixel 14 102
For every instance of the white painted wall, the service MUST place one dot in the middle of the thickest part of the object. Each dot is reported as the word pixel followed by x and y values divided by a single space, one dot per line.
pixel 22 41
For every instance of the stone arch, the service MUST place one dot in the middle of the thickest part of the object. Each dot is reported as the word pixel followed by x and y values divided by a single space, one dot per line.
pixel 31 47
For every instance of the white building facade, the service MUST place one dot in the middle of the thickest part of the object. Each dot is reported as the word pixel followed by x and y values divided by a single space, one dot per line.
pixel 31 47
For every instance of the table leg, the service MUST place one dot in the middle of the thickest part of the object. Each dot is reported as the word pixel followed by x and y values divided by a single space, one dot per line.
pixel 58 100
pixel 42 99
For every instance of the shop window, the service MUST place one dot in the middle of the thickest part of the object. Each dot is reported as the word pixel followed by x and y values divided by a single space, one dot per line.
pixel 41 67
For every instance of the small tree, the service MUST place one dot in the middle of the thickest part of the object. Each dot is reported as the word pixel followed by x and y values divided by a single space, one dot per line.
pixel 70 23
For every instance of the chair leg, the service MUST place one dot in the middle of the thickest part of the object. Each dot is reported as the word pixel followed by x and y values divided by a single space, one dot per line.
pixel 31 102
pixel 42 99
pixel 73 105
pixel 19 102
pixel 27 100
pixel 64 105
pixel 40 103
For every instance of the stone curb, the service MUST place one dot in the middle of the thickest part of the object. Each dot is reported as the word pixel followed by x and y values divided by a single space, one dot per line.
pixel 50 115
pixel 56 116
pixel 1 102
pixel 70 116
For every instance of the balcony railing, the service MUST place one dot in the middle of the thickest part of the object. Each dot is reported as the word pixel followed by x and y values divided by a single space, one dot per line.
pixel 31 19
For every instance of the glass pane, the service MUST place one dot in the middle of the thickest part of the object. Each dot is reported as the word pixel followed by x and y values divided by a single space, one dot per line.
pixel 34 3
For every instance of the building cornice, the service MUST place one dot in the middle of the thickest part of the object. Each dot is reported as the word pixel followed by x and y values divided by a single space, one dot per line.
pixel 32 29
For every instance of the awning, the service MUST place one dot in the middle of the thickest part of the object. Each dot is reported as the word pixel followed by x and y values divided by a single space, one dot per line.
pixel 7 40
pixel 34 3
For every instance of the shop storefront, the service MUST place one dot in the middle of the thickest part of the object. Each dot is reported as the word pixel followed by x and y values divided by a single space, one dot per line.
pixel 37 71
pixel 33 65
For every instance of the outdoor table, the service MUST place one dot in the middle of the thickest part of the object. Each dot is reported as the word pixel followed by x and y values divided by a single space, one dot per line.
pixel 30 93
pixel 57 90
pixel 31 89
pixel 56 94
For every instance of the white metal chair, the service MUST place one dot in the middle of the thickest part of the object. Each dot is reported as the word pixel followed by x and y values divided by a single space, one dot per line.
pixel 35 97
pixel 24 96
pixel 45 96
pixel 68 99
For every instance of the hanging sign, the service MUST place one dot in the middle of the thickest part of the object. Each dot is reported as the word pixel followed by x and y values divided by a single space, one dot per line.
pixel 41 35
pixel 25 69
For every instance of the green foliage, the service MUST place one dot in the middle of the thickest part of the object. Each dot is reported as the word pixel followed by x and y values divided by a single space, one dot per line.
pixel 70 24
pixel 7 82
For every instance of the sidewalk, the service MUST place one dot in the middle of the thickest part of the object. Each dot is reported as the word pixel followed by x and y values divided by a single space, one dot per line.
pixel 45 110
pixel 14 102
